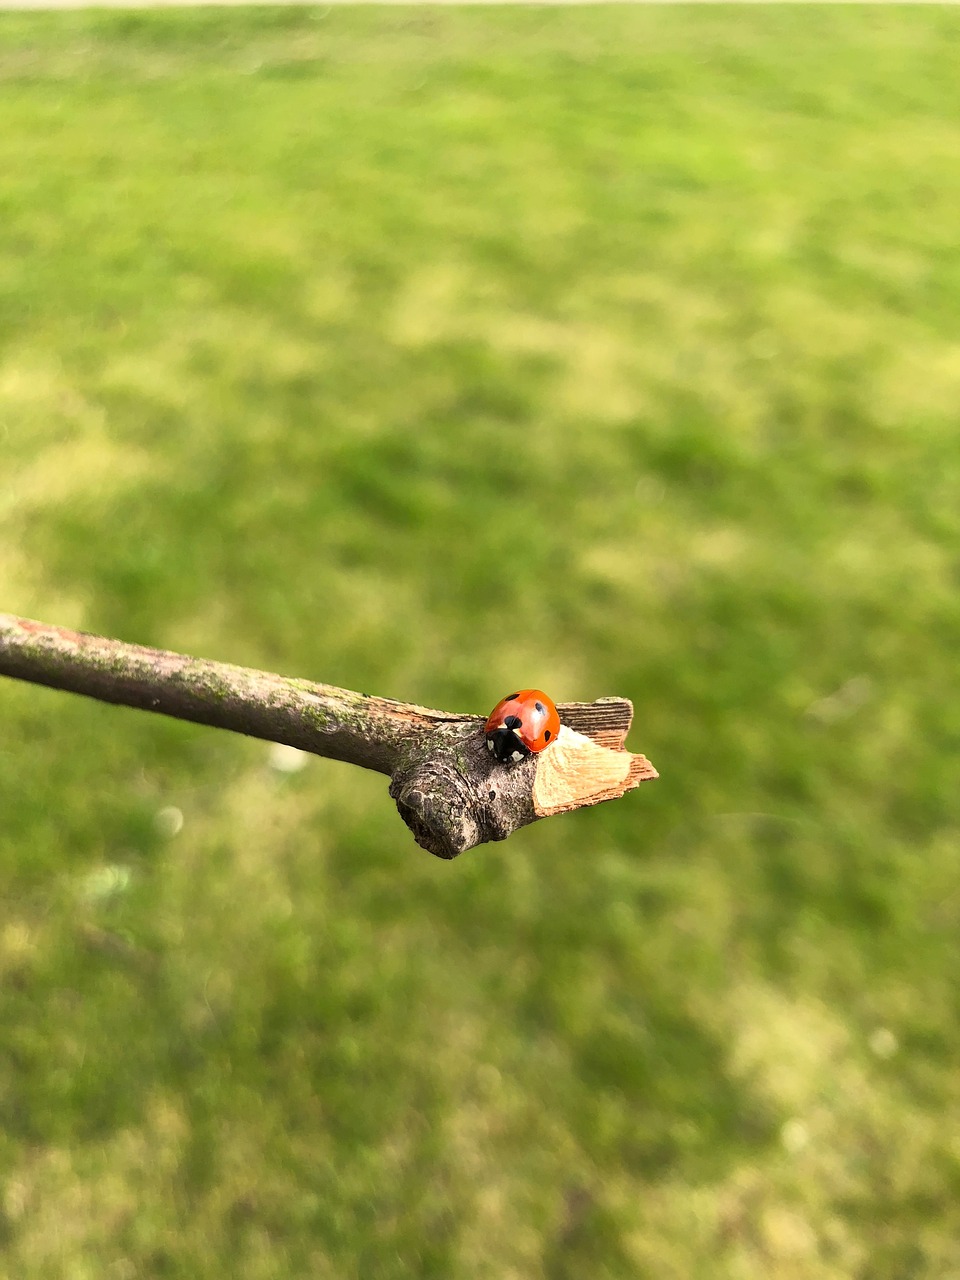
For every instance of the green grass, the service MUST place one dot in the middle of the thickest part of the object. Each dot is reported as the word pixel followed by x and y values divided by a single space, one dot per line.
pixel 431 353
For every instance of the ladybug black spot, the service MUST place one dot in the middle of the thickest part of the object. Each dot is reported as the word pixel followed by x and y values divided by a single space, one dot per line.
pixel 539 707
pixel 510 697
pixel 547 735
pixel 513 722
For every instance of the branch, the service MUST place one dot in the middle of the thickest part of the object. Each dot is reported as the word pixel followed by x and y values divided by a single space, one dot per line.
pixel 448 788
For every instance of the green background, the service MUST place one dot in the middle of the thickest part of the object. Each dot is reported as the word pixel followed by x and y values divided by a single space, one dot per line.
pixel 432 353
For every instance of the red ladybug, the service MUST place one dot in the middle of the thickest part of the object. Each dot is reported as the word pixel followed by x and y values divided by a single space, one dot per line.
pixel 523 722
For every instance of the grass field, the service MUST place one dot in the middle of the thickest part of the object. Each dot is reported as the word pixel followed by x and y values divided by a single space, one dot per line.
pixel 430 353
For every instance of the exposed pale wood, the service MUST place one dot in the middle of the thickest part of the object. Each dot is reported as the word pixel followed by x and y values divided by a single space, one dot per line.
pixel 449 790
pixel 578 771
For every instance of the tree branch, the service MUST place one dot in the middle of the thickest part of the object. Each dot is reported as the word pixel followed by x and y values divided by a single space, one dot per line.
pixel 448 788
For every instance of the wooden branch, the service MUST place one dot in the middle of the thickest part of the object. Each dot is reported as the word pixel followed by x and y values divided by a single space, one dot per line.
pixel 448 788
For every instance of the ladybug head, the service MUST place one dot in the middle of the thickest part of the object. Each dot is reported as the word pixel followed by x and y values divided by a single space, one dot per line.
pixel 505 742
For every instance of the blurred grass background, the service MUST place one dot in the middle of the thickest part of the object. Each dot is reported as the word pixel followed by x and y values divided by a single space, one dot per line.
pixel 429 353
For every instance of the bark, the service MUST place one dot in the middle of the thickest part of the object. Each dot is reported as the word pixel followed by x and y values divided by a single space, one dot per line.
pixel 448 789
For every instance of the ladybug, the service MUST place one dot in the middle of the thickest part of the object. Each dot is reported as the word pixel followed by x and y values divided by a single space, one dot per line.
pixel 523 722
